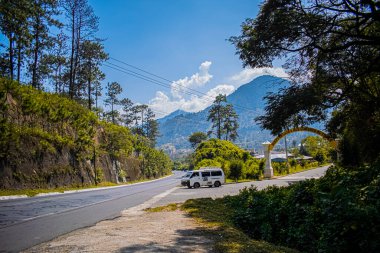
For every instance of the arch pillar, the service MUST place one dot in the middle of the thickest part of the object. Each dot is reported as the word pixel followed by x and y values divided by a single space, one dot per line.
pixel 268 170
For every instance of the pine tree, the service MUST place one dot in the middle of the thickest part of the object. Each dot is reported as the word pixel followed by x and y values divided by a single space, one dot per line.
pixel 93 55
pixel 230 123
pixel 127 116
pixel 113 90
pixel 216 115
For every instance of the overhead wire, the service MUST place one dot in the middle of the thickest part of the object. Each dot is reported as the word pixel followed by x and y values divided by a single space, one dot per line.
pixel 190 91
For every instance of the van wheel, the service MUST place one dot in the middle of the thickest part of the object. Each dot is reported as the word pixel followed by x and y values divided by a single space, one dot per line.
pixel 197 185
pixel 217 184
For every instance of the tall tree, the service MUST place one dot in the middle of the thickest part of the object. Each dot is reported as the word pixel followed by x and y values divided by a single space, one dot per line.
pixel 216 115
pixel 82 25
pixel 55 62
pixel 13 19
pixel 230 123
pixel 332 49
pixel 223 118
pixel 93 55
pixel 140 119
pixel 42 17
pixel 113 90
pixel 128 113
pixel 151 127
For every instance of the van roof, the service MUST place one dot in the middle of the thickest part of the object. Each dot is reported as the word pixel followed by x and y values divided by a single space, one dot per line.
pixel 209 168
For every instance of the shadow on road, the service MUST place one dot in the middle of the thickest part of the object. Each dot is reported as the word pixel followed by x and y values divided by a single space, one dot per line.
pixel 188 240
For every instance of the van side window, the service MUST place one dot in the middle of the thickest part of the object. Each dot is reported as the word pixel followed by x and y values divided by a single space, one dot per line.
pixel 216 173
pixel 206 174
pixel 195 174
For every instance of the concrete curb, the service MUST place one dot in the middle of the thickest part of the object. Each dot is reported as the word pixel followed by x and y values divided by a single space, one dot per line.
pixel 81 190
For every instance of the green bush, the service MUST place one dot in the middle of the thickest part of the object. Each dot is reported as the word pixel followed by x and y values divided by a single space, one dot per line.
pixel 236 170
pixel 337 213
pixel 223 154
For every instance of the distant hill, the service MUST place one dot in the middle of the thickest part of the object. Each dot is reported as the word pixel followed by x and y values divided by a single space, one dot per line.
pixel 171 116
pixel 248 101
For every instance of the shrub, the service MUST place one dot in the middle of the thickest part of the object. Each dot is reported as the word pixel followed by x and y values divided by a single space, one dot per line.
pixel 337 213
pixel 236 169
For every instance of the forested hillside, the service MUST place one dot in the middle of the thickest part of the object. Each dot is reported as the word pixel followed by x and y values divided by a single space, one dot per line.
pixel 248 101
pixel 48 140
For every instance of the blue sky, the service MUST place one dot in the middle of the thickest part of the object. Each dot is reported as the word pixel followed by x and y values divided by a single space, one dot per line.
pixel 181 40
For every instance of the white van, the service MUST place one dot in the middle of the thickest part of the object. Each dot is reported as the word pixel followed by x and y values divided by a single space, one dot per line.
pixel 207 176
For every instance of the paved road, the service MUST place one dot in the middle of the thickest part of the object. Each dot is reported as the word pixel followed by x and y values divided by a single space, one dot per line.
pixel 183 193
pixel 27 222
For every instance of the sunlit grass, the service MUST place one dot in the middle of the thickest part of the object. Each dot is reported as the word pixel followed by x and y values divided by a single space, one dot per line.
pixel 167 208
pixel 216 218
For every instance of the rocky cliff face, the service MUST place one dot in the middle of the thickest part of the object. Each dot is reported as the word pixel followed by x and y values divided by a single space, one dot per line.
pixel 50 141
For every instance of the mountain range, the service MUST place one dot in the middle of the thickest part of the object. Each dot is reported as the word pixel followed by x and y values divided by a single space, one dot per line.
pixel 248 102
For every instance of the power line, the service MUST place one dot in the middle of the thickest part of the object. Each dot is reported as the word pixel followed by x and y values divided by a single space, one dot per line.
pixel 190 92
pixel 148 79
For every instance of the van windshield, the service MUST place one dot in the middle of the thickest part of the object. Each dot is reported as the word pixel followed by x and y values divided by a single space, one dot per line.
pixel 188 174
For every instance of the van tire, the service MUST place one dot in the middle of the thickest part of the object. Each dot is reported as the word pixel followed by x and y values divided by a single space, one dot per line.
pixel 217 184
pixel 197 185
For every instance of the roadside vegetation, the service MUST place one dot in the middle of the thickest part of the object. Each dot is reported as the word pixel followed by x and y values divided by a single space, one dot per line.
pixel 337 213
pixel 240 166
pixel 215 220
pixel 50 141
pixel 335 74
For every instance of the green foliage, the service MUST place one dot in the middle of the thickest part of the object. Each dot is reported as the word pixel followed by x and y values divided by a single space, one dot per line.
pixel 196 138
pixel 236 170
pixel 337 213
pixel 38 128
pixel 155 163
pixel 216 216
pixel 221 153
pixel 332 51
pixel 223 118
pixel 318 148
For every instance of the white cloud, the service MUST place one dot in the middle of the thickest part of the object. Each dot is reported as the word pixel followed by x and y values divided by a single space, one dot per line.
pixel 248 74
pixel 196 80
pixel 164 104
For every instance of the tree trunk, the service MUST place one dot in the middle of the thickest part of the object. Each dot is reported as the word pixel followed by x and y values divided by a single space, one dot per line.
pixel 71 81
pixel 36 49
pixel 18 61
pixel 89 86
pixel 11 54
pixel 219 134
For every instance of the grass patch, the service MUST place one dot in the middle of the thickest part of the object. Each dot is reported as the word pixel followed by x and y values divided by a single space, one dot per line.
pixel 233 181
pixel 216 218
pixel 34 192
pixel 167 208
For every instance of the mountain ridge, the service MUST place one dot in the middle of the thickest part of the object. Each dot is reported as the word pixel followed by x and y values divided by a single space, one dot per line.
pixel 248 101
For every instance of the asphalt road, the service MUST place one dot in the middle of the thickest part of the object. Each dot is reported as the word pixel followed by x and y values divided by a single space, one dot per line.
pixel 28 222
pixel 183 193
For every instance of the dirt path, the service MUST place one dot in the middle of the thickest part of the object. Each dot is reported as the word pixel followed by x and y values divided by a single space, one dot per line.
pixel 135 231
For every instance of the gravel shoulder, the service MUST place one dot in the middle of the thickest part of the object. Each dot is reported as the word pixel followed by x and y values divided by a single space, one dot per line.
pixel 135 231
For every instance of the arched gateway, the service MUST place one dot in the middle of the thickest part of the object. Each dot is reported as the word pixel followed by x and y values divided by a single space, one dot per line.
pixel 268 146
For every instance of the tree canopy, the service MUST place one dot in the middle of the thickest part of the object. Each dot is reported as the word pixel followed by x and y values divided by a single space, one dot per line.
pixel 332 53
pixel 196 138
pixel 223 118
